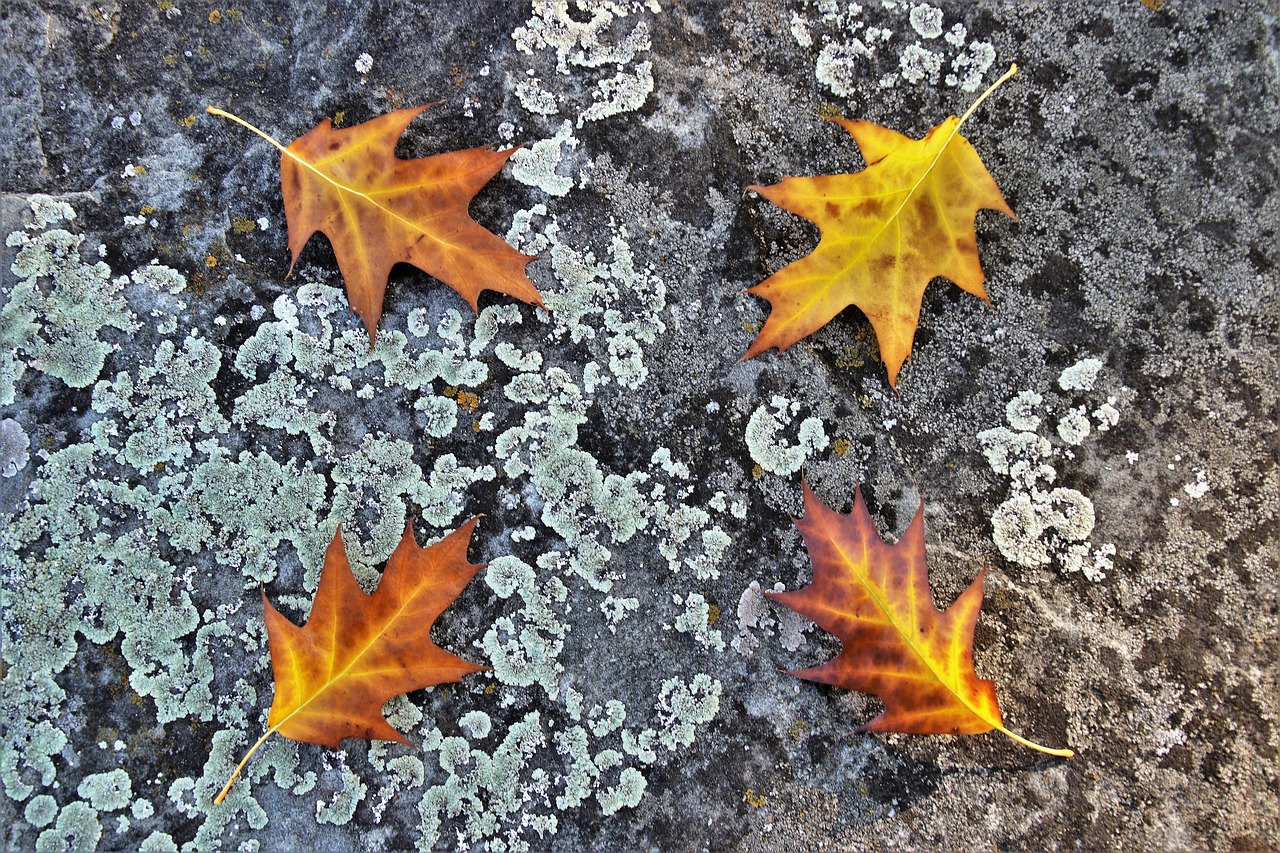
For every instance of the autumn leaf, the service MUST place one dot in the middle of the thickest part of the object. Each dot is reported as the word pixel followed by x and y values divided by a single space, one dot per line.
pixel 358 650
pixel 378 211
pixel 885 233
pixel 875 597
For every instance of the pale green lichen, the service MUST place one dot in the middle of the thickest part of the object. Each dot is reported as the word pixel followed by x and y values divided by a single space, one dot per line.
pixel 41 810
pixel 772 453
pixel 341 807
pixel 626 794
pixel 107 792
pixel 57 309
pixel 158 842
pixel 536 165
pixel 77 831
pixel 476 724
pixel 683 707
pixel 696 621
pixel 168 489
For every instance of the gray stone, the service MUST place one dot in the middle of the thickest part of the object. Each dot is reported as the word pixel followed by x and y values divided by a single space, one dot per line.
pixel 1101 437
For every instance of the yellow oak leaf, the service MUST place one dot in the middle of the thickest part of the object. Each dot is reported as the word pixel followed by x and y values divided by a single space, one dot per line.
pixel 905 219
pixel 895 643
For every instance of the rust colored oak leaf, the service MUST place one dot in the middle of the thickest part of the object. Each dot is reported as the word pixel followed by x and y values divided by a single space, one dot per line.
pixel 378 211
pixel 886 231
pixel 358 650
pixel 875 597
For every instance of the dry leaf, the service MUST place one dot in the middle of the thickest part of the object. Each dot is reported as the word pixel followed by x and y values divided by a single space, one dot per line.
pixel 378 211
pixel 875 597
pixel 358 650
pixel 886 232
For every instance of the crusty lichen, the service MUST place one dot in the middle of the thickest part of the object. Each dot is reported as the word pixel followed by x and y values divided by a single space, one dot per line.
pixel 1038 525
pixel 56 311
pixel 187 490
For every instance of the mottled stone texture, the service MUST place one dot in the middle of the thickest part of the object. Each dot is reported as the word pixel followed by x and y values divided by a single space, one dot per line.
pixel 637 475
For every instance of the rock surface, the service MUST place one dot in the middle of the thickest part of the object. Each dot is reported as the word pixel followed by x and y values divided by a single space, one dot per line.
pixel 182 422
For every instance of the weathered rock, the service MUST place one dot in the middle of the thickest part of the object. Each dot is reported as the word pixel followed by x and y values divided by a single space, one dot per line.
pixel 1102 437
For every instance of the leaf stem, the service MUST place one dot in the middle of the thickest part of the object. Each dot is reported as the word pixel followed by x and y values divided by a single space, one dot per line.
pixel 1013 69
pixel 235 774
pixel 1061 753
pixel 217 112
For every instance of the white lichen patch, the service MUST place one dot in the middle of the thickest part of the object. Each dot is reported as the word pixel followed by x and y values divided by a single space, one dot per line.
pixel 885 44
pixel 13 448
pixel 772 452
pixel 1080 376
pixel 587 43
pixel 1038 524
pixel 758 619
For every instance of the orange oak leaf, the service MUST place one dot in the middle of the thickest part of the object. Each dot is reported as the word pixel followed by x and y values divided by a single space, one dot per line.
pixel 378 211
pixel 358 650
pixel 885 233
pixel 875 597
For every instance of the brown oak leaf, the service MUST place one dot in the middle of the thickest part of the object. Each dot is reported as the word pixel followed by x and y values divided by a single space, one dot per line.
pixel 378 211
pixel 358 650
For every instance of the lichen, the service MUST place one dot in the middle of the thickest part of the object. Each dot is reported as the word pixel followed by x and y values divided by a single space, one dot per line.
pixel 13 448
pixel 871 42
pixel 586 45
pixel 1037 525
pixel 77 831
pixel 41 810
pixel 57 309
pixel 536 165
pixel 683 707
pixel 774 454
pixel 476 724
pixel 107 792
pixel 696 620
pixel 1080 376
